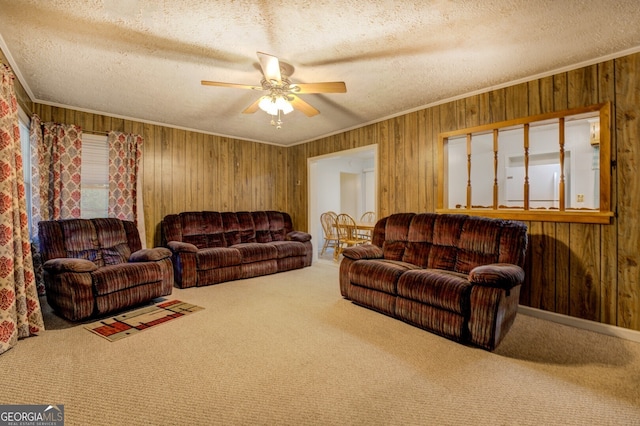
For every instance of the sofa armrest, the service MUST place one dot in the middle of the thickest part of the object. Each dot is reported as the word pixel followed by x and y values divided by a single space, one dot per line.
pixel 150 254
pixel 179 246
pixel 298 236
pixel 500 275
pixel 365 251
pixel 68 264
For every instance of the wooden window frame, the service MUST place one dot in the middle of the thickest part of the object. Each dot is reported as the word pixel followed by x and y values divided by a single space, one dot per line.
pixel 601 215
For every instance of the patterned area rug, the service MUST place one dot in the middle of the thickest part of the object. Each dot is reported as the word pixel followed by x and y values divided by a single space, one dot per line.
pixel 133 322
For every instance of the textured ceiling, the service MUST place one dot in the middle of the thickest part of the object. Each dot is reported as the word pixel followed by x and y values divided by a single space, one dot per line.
pixel 144 60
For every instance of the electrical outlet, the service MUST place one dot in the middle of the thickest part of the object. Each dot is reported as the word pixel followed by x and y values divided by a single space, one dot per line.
pixel 580 198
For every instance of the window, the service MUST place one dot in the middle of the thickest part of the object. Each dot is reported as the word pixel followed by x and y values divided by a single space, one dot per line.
pixel 551 167
pixel 94 176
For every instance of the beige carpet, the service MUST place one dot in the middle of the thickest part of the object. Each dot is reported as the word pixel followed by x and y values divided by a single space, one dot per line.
pixel 287 349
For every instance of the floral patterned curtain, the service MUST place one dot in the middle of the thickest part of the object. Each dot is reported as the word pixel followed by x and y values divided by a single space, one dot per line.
pixel 60 158
pixel 125 200
pixel 20 314
pixel 56 151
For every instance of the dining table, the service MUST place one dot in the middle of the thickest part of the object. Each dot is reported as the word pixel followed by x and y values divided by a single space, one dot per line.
pixel 360 226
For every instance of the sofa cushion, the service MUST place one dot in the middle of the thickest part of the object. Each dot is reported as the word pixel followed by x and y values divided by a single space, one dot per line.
pixel 446 235
pixel 443 289
pixel 442 257
pixel 289 248
pixel 298 236
pixel 81 240
pixel 513 243
pixel 247 228
pixel 68 264
pixel 277 226
pixel 478 245
pixel 150 254
pixel 394 250
pixel 218 275
pixel 256 252
pixel 363 251
pixel 217 257
pixel 112 239
pixel 113 278
pixel 417 252
pixel 231 228
pixel 203 229
pixel 440 321
pixel 261 222
pixel 378 274
pixel 500 275
pixel 396 234
pixel 419 239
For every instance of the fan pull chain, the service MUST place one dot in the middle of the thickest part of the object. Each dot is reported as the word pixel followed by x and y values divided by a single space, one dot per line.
pixel 278 123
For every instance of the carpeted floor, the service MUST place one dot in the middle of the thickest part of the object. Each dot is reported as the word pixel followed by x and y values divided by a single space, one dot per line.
pixel 287 349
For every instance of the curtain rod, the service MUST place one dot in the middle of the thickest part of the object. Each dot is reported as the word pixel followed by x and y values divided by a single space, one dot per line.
pixel 98 132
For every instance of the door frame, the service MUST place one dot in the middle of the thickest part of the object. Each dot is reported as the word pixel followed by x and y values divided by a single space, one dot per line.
pixel 313 214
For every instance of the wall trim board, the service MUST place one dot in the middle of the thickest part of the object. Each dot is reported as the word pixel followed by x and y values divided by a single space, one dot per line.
pixel 597 327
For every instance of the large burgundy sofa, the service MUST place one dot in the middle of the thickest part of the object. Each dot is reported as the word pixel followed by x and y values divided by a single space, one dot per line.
pixel 213 247
pixel 455 275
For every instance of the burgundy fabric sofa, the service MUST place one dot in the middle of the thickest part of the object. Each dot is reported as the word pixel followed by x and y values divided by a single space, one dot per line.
pixel 213 247
pixel 92 267
pixel 455 275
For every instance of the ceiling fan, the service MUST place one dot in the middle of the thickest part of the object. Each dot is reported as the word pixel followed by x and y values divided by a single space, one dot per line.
pixel 282 94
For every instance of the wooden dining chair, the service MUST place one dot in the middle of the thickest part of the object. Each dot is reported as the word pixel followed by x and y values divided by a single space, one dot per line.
pixel 347 234
pixel 367 217
pixel 328 221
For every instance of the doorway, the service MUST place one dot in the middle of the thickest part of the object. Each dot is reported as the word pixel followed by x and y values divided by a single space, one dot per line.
pixel 343 182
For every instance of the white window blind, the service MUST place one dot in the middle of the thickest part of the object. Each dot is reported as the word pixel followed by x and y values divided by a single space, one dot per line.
pixel 94 176
pixel 95 160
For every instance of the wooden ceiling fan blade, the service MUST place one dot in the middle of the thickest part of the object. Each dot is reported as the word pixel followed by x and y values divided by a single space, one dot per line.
pixel 326 87
pixel 270 67
pixel 234 85
pixel 253 107
pixel 301 105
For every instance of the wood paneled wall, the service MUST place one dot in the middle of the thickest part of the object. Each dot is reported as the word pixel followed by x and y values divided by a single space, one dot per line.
pixel 190 171
pixel 582 270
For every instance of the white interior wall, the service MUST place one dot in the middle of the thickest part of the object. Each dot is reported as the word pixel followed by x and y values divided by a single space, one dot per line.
pixel 369 190
pixel 350 193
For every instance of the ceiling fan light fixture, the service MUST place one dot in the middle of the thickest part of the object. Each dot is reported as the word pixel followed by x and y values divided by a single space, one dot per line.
pixel 268 105
pixel 272 104
pixel 284 105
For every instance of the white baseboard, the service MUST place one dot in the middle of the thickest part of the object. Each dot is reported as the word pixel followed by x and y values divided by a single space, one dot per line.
pixel 607 329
